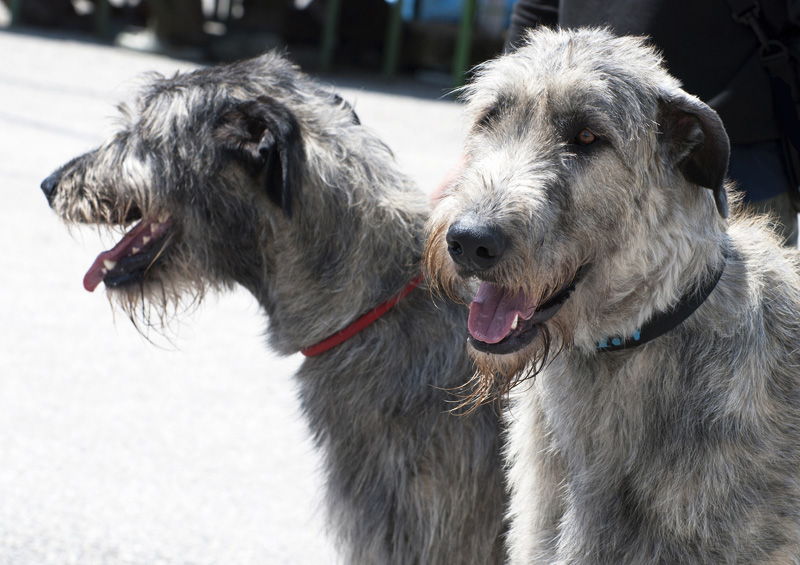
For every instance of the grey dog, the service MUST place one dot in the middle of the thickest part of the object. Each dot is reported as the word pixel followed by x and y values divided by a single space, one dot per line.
pixel 654 343
pixel 252 173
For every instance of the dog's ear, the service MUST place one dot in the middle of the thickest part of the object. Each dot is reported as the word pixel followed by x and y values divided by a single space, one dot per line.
pixel 339 101
pixel 266 135
pixel 696 143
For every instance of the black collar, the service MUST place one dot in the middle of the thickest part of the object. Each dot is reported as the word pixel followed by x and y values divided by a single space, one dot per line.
pixel 662 322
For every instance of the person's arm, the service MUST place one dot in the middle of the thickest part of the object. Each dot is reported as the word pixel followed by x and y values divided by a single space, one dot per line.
pixel 528 14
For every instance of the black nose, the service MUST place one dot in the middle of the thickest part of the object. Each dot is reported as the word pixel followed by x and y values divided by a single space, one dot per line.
pixel 474 244
pixel 50 184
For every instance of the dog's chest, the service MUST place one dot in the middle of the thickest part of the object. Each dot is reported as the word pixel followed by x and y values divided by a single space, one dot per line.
pixel 607 422
pixel 597 409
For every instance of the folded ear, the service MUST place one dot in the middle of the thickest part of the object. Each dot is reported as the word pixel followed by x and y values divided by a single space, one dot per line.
pixel 696 143
pixel 266 136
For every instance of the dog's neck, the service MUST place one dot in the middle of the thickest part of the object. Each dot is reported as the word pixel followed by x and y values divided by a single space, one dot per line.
pixel 619 302
pixel 323 293
pixel 664 321
pixel 362 323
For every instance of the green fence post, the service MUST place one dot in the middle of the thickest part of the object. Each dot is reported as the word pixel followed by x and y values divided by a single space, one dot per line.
pixel 16 6
pixel 464 41
pixel 102 13
pixel 329 33
pixel 393 38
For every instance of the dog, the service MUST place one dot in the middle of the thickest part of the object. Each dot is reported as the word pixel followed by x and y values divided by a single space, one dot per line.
pixel 254 174
pixel 650 336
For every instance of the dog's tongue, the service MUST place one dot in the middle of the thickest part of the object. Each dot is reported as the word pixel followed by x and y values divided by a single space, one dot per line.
pixel 493 310
pixel 130 244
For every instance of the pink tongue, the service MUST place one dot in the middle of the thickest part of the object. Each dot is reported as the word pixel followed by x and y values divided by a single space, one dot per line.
pixel 493 310
pixel 138 237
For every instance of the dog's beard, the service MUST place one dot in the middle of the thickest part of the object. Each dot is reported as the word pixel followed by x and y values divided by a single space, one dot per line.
pixel 154 304
pixel 496 375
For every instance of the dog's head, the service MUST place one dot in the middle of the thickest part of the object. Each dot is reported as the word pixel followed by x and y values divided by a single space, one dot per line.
pixel 584 155
pixel 201 179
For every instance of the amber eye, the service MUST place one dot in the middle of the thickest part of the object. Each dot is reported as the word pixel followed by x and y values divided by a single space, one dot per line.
pixel 585 137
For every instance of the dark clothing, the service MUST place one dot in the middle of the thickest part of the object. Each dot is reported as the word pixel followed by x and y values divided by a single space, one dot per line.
pixel 759 169
pixel 715 57
pixel 527 14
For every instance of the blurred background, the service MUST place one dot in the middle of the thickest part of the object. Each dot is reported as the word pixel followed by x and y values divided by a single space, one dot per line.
pixel 434 39
pixel 188 450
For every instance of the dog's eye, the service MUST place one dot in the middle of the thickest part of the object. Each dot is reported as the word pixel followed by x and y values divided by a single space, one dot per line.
pixel 585 137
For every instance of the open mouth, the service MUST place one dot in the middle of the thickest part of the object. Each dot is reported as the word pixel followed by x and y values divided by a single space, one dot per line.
pixel 502 322
pixel 129 260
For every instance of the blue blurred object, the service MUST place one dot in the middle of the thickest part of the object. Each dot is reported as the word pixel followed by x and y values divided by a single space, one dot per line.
pixel 441 10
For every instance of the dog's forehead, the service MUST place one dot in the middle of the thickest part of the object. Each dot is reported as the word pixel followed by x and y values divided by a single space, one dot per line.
pixel 558 74
pixel 560 103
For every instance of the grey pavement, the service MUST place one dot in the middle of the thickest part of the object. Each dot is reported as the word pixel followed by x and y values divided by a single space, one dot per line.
pixel 114 450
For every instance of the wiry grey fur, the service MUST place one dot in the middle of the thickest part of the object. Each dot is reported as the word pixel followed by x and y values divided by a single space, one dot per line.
pixel 683 450
pixel 270 182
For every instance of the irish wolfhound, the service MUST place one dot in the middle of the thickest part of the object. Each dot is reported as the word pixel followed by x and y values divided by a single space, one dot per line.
pixel 254 174
pixel 663 425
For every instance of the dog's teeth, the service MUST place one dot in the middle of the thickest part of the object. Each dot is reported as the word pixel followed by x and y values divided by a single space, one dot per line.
pixel 145 239
pixel 109 265
pixel 136 250
pixel 515 323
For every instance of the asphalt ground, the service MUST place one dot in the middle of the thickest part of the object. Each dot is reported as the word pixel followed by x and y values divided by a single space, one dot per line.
pixel 114 450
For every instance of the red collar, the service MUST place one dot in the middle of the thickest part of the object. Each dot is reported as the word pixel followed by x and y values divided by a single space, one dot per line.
pixel 363 322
